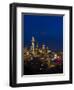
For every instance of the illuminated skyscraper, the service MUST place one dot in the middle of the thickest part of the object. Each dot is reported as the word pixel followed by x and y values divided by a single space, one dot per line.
pixel 43 46
pixel 33 44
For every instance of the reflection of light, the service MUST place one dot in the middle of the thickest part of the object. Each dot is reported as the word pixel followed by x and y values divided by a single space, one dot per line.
pixel 55 56
pixel 41 58
pixel 58 57
pixel 31 58
pixel 40 68
pixel 49 51
pixel 42 65
pixel 40 51
pixel 52 59
pixel 27 53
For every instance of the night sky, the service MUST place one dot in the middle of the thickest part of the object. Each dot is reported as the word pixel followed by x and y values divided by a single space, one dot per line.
pixel 46 29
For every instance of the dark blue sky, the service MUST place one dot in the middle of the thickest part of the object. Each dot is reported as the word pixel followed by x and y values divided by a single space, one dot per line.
pixel 46 29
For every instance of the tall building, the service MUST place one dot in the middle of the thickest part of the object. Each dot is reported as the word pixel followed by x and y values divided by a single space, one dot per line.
pixel 43 46
pixel 33 44
pixel 36 44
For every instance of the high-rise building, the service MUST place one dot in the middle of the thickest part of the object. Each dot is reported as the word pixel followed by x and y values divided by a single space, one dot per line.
pixel 43 46
pixel 33 44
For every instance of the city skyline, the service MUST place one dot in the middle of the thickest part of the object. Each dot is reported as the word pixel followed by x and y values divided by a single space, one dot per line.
pixel 43 44
pixel 41 27
pixel 40 60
